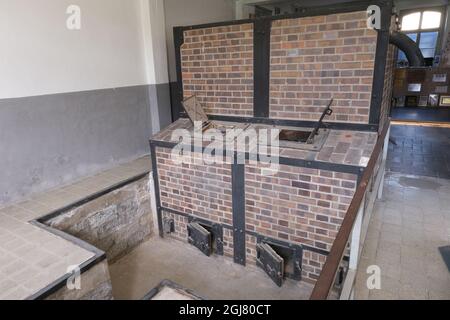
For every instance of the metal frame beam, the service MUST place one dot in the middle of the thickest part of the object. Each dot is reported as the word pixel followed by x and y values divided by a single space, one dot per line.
pixel 262 56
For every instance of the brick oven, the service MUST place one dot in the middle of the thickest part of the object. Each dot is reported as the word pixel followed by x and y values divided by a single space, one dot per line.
pixel 276 72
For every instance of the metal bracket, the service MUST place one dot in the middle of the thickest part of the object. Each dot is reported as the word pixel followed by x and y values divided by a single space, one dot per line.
pixel 168 225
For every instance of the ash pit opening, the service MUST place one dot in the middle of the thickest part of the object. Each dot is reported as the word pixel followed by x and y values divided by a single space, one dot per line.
pixel 295 136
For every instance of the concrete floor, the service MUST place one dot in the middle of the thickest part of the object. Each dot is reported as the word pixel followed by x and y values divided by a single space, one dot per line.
pixel 404 235
pixel 215 278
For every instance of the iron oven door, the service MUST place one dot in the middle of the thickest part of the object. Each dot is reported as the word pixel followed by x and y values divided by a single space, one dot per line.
pixel 270 262
pixel 200 238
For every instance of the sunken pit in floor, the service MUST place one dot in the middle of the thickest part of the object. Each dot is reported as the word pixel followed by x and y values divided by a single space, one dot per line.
pixel 211 278
pixel 120 223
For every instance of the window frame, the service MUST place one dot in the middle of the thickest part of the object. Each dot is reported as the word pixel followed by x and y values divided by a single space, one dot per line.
pixel 419 31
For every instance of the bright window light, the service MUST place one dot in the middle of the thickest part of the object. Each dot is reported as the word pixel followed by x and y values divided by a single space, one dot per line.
pixel 431 20
pixel 411 21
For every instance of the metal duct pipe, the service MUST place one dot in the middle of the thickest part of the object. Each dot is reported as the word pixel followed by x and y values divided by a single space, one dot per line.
pixel 409 47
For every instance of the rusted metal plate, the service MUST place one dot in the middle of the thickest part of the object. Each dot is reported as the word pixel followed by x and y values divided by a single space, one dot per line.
pixel 194 110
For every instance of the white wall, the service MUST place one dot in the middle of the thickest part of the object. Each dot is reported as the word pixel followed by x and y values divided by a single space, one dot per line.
pixel 153 23
pixel 56 126
pixel 191 12
pixel 39 55
pixel 244 8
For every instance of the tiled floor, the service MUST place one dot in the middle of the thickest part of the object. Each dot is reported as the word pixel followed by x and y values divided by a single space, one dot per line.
pixel 406 230
pixel 421 151
pixel 32 258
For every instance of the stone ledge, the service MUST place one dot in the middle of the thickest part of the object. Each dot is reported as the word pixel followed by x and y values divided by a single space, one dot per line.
pixel 32 258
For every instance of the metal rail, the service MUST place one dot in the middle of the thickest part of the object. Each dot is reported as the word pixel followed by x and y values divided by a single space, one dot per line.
pixel 325 283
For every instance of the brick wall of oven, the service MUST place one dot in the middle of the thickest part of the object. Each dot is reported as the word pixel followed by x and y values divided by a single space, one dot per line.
pixel 217 66
pixel 298 205
pixel 388 87
pixel 315 59
pixel 195 189
pixel 389 79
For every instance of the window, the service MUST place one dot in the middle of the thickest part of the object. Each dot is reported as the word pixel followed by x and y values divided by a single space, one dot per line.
pixel 424 28
pixel 411 21
pixel 431 20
